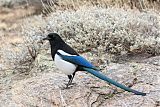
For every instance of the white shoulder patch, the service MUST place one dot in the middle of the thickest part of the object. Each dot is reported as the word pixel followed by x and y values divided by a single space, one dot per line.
pixel 65 53
pixel 66 67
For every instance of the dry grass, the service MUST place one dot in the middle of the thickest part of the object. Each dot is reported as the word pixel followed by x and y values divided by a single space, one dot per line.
pixel 76 4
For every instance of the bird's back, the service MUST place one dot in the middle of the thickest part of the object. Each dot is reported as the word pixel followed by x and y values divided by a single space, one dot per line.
pixel 66 48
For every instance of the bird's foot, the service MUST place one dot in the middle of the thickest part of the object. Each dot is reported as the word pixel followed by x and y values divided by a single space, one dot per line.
pixel 72 84
pixel 68 86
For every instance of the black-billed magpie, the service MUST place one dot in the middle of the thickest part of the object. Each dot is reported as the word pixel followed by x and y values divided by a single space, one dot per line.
pixel 69 61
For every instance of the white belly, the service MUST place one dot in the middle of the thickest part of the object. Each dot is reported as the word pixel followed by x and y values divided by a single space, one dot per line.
pixel 66 67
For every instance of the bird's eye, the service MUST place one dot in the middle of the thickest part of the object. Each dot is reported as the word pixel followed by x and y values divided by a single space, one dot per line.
pixel 53 38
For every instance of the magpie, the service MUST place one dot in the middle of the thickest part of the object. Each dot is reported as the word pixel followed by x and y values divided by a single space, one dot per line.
pixel 69 62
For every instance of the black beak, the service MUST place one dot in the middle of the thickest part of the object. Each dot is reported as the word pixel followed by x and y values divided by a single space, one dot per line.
pixel 47 38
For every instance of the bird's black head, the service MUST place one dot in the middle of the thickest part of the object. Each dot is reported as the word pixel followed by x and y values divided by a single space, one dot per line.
pixel 57 43
pixel 53 37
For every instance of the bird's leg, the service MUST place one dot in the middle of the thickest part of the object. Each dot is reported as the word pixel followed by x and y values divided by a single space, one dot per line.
pixel 70 78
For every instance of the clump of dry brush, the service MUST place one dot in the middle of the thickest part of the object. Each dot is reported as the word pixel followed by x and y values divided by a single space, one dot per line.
pixel 111 30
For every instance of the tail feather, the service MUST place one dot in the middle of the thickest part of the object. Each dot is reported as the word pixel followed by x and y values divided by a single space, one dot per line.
pixel 105 78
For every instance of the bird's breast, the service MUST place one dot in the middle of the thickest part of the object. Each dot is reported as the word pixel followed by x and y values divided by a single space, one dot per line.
pixel 66 67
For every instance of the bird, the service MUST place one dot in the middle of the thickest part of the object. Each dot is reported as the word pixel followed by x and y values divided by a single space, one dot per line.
pixel 69 62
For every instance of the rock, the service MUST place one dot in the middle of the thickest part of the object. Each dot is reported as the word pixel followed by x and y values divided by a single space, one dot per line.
pixel 46 88
pixel 153 60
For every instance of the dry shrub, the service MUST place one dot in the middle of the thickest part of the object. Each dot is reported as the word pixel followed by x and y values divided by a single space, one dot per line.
pixel 111 30
pixel 14 56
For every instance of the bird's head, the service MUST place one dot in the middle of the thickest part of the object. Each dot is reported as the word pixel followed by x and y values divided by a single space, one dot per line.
pixel 53 37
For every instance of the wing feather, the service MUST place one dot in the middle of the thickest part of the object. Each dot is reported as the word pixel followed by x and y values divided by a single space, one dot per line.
pixel 78 60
